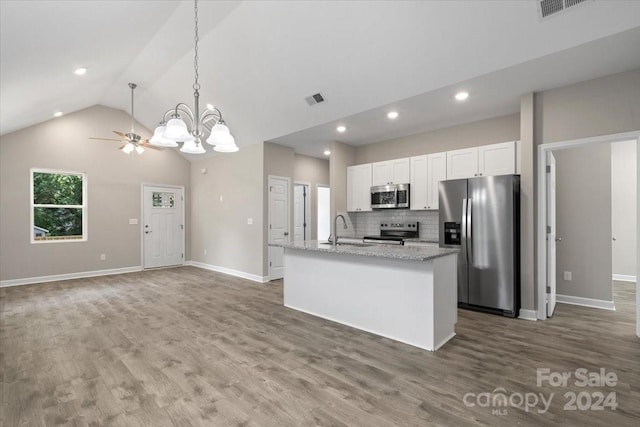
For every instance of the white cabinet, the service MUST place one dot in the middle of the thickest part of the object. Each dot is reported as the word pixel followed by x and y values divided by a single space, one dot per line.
pixel 391 172
pixel 426 173
pixel 359 188
pixel 497 159
pixel 494 159
pixel 462 163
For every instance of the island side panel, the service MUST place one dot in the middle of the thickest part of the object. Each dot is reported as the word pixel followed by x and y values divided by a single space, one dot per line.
pixel 446 297
pixel 389 297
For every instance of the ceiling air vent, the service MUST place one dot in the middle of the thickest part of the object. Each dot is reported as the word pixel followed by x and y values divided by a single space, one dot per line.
pixel 547 8
pixel 314 99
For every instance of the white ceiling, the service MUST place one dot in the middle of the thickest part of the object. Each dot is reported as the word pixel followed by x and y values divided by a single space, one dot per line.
pixel 260 59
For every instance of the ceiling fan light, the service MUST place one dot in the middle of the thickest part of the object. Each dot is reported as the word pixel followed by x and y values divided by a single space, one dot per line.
pixel 128 148
pixel 191 147
pixel 158 140
pixel 139 149
pixel 176 130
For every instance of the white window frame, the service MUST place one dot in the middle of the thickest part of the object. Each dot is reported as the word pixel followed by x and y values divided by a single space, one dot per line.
pixel 35 205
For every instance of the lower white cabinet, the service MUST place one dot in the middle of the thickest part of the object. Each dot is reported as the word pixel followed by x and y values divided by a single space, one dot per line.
pixel 426 173
pixel 359 188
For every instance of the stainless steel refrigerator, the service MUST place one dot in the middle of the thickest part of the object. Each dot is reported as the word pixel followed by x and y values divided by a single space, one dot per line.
pixel 481 216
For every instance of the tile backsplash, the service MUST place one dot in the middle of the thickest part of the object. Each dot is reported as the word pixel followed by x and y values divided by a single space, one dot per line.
pixel 368 223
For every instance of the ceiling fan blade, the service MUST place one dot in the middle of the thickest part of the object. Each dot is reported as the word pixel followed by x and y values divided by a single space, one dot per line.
pixel 145 144
pixel 104 139
pixel 122 146
pixel 121 135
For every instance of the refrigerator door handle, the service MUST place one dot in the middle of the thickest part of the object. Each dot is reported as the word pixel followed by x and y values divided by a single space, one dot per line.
pixel 464 232
pixel 469 231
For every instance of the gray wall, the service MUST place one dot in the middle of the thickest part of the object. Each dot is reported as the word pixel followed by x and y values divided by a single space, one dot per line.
pixel 583 215
pixel 342 156
pixel 277 160
pixel 623 207
pixel 490 131
pixel 312 171
pixel 114 187
pixel 221 227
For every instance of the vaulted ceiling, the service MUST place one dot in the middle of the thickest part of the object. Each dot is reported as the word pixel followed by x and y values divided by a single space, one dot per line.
pixel 260 59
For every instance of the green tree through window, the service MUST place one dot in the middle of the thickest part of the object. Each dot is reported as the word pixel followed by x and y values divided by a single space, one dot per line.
pixel 58 205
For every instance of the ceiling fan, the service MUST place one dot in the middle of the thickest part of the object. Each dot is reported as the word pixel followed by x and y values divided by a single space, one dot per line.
pixel 132 140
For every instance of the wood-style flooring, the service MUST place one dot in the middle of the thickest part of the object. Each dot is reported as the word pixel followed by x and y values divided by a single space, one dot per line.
pixel 185 346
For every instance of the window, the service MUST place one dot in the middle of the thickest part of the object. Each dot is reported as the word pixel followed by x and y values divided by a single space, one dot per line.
pixel 58 206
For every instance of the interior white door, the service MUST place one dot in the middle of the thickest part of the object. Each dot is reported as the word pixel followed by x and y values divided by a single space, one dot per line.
pixel 300 212
pixel 324 213
pixel 278 224
pixel 163 226
pixel 552 237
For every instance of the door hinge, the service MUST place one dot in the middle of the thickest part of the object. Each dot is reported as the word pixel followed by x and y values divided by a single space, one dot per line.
pixel 182 256
pixel 548 229
pixel 270 264
pixel 181 226
pixel 548 168
pixel 269 226
pixel 548 289
pixel 182 198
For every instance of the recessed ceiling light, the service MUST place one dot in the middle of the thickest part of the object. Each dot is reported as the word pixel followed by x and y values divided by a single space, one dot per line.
pixel 210 107
pixel 341 129
pixel 392 114
pixel 80 71
pixel 461 96
pixel 327 152
pixel 57 114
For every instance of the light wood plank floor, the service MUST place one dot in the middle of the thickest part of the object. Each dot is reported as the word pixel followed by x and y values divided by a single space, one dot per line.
pixel 186 346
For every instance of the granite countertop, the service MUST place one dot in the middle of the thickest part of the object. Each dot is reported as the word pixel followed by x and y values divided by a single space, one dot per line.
pixel 413 253
pixel 420 240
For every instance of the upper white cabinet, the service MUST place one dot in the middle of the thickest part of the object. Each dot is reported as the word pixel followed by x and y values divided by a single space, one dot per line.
pixel 359 188
pixel 494 159
pixel 497 159
pixel 426 173
pixel 395 171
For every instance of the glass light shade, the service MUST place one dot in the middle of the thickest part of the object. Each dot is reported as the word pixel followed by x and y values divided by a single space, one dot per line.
pixel 128 148
pixel 139 149
pixel 176 130
pixel 218 134
pixel 222 139
pixel 232 148
pixel 191 147
pixel 158 140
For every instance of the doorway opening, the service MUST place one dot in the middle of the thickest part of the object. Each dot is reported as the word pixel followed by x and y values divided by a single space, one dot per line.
pixel 324 212
pixel 543 266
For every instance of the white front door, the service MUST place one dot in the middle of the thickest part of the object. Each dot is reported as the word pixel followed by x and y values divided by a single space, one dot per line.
pixel 300 212
pixel 551 234
pixel 278 224
pixel 163 226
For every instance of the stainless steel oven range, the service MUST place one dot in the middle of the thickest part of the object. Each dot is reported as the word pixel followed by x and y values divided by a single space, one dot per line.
pixel 394 233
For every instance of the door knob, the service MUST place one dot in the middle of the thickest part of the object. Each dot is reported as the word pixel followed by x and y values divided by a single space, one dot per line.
pixel 286 233
pixel 614 239
pixel 147 232
pixel 558 239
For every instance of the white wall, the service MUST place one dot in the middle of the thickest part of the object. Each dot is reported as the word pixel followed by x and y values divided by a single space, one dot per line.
pixel 623 208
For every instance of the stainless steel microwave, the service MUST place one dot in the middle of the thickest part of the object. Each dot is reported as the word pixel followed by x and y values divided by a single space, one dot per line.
pixel 391 196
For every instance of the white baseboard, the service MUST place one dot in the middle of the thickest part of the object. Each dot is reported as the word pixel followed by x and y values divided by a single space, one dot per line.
pixel 68 276
pixel 229 271
pixel 528 315
pixel 624 278
pixel 585 302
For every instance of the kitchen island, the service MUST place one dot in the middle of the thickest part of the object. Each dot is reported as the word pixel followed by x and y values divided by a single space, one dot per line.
pixel 408 294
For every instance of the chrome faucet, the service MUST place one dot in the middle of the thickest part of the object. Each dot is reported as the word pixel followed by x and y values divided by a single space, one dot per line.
pixel 335 228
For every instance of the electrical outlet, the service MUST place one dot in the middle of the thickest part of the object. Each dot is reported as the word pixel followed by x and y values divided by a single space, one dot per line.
pixel 103 257
pixel 567 275
pixel 133 221
pixel 205 251
pixel 249 221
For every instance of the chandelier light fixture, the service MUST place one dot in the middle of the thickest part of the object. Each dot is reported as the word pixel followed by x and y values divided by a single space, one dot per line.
pixel 175 130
